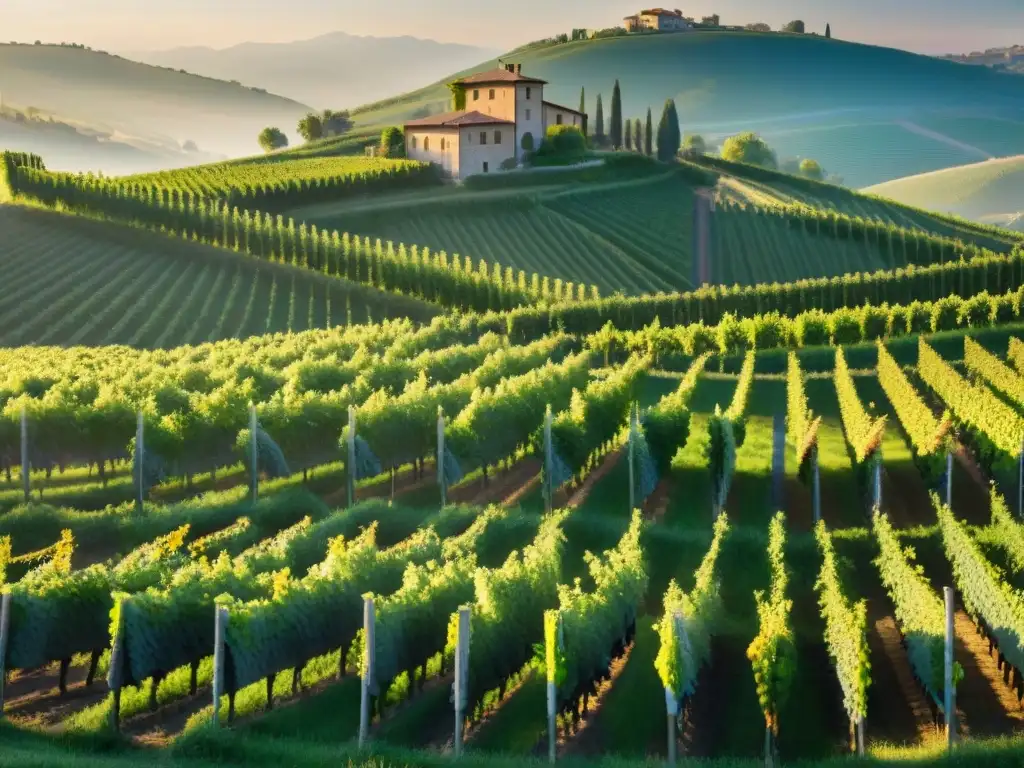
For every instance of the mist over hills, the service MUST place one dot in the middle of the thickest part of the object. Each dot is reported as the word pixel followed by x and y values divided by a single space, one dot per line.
pixel 335 70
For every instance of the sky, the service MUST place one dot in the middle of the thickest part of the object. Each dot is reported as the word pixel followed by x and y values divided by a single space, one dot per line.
pixel 924 26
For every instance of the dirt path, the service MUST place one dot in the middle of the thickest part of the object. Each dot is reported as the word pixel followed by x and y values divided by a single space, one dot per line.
pixel 588 738
pixel 512 483
pixel 905 497
pixel 970 503
pixel 986 705
pixel 33 697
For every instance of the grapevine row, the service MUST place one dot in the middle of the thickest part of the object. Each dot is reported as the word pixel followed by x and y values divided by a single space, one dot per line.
pixel 801 424
pixel 987 366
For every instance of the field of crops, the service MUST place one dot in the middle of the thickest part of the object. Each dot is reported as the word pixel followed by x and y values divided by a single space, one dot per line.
pixel 711 608
pixel 71 282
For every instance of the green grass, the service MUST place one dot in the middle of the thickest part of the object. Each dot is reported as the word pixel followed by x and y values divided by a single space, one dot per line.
pixel 988 191
pixel 75 282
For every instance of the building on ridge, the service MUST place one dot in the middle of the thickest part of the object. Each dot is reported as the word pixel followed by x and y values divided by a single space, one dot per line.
pixel 657 20
pixel 502 106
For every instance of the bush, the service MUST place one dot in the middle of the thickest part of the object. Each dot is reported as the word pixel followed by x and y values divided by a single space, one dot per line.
pixel 812 329
pixel 976 312
pixel 527 142
pixel 563 144
pixel 770 331
pixel 1004 310
pixel 920 317
pixel 845 327
pixel 899 321
pixel 392 142
pixel 699 339
pixel 731 335
pixel 874 322
pixel 946 313
pixel 509 164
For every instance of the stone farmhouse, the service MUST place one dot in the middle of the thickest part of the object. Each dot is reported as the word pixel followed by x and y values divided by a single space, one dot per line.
pixel 503 106
pixel 657 20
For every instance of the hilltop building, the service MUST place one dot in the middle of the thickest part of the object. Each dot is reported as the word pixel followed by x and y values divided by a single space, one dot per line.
pixel 657 20
pixel 502 106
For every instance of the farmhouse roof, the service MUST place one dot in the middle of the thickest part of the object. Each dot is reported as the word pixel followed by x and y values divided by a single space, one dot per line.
pixel 457 119
pixel 499 76
pixel 661 12
pixel 563 109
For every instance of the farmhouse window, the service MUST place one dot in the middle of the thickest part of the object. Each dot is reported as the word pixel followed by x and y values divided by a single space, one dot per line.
pixel 528 91
pixel 483 137
pixel 476 94
pixel 486 168
pixel 527 114
pixel 497 137
pixel 491 95
pixel 426 143
pixel 558 119
pixel 414 142
pixel 442 144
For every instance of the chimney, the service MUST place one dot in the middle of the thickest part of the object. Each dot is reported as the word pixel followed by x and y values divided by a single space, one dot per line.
pixel 519 69
pixel 510 67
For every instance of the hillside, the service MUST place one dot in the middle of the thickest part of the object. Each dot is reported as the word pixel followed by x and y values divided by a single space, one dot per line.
pixel 991 191
pixel 868 114
pixel 320 71
pixel 94 283
pixel 121 96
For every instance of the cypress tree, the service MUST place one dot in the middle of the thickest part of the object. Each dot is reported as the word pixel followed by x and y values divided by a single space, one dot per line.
pixel 828 31
pixel 583 100
pixel 615 130
pixel 627 136
pixel 638 136
pixel 668 132
pixel 599 122
pixel 649 135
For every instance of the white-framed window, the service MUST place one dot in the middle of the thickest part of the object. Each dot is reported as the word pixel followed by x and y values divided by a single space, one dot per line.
pixel 483 137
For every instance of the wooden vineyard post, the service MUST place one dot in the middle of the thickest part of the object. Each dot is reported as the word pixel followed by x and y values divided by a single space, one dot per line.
pixel 368 671
pixel 220 620
pixel 632 482
pixel 351 455
pixel 548 489
pixel 553 697
pixel 949 479
pixel 860 736
pixel 671 702
pixel 140 462
pixel 254 453
pixel 5 628
pixel 950 697
pixel 878 482
pixel 440 456
pixel 461 676
pixel 115 674
pixel 26 467
pixel 817 484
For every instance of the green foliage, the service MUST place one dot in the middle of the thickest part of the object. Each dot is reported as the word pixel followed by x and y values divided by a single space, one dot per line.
pixel 667 424
pixel 795 27
pixel 271 139
pixel 311 127
pixel 669 132
pixel 1009 532
pixel 749 148
pixel 681 657
pixel 773 651
pixel 812 169
pixel 864 434
pixel 845 629
pixel 990 368
pixel 458 92
pixel 801 424
pixel 615 131
pixel 564 143
pixel 392 142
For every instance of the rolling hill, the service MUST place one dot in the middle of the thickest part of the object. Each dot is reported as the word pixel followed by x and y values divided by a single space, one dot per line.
pixel 991 191
pixel 138 101
pixel 868 114
pixel 329 71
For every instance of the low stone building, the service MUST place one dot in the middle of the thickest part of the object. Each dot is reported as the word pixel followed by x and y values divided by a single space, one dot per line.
pixel 503 106
pixel 657 20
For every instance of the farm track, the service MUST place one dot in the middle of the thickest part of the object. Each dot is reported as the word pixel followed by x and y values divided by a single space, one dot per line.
pixel 986 705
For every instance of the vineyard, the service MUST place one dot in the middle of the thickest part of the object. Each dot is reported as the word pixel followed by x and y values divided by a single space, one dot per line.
pixel 757 598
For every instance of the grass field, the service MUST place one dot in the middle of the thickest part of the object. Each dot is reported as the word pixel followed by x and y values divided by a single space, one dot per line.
pixel 73 282
pixel 990 191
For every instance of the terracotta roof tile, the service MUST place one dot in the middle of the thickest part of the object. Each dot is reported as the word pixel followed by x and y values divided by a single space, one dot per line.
pixel 457 119
pixel 563 109
pixel 499 76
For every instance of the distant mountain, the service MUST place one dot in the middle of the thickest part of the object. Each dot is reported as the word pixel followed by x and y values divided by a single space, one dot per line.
pixel 333 71
pixel 139 104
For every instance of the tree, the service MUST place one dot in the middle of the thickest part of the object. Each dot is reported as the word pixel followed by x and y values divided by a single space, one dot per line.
pixel 583 100
pixel 668 132
pixel 627 136
pixel 336 123
pixel 828 31
pixel 694 146
pixel 638 135
pixel 599 122
pixel 311 127
pixel 812 169
pixel 527 142
pixel 271 139
pixel 615 130
pixel 796 27
pixel 563 144
pixel 749 148
pixel 759 26
pixel 649 135
pixel 392 142
pixel 714 20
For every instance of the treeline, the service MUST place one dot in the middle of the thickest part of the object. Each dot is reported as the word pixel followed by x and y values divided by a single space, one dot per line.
pixel 994 273
pixel 449 281
pixel 10 162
